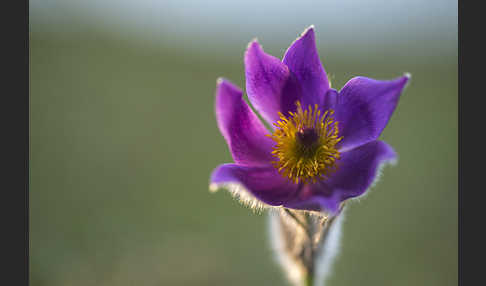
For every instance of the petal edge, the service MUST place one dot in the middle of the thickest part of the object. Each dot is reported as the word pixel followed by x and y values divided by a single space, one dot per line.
pixel 263 183
pixel 242 129
pixel 364 108
pixel 303 60
pixel 270 85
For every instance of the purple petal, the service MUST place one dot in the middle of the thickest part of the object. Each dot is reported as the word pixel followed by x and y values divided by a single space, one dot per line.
pixel 364 107
pixel 243 131
pixel 357 170
pixel 330 100
pixel 270 86
pixel 264 183
pixel 320 198
pixel 303 61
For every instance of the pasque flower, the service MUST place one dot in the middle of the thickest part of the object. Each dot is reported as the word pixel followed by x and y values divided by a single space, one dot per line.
pixel 323 147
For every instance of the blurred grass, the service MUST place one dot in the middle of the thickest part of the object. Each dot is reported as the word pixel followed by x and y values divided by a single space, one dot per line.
pixel 123 139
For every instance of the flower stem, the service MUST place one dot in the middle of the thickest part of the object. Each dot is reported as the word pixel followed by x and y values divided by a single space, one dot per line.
pixel 299 222
pixel 309 280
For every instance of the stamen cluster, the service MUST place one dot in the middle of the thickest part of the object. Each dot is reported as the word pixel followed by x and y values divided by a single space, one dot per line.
pixel 306 144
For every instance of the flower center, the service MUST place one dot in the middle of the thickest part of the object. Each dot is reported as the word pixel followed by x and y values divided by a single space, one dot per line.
pixel 306 144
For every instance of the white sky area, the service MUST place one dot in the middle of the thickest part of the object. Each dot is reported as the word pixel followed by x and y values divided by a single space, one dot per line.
pixel 366 23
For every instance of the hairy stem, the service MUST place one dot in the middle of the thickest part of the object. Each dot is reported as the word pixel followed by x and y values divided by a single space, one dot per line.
pixel 305 244
pixel 299 222
pixel 309 280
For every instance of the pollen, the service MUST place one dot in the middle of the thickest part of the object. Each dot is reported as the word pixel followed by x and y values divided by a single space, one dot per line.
pixel 306 144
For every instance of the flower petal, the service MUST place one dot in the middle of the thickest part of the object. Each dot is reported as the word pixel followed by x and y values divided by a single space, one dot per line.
pixel 264 183
pixel 243 131
pixel 270 86
pixel 357 170
pixel 364 107
pixel 303 61
pixel 330 99
pixel 321 200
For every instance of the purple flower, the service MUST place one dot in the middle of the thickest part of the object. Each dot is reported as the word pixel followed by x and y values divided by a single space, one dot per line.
pixel 323 148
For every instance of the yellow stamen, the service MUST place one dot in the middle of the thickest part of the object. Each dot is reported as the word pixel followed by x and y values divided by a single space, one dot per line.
pixel 306 144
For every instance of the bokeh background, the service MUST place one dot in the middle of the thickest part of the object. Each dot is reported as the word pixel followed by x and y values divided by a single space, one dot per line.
pixel 124 137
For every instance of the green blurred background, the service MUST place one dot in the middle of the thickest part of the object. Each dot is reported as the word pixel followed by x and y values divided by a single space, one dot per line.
pixel 124 137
